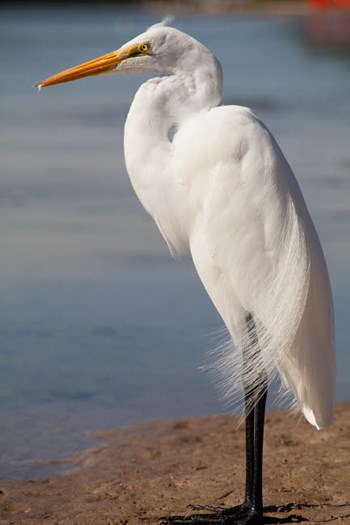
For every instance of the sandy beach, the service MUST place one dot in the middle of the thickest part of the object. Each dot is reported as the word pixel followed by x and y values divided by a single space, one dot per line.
pixel 147 471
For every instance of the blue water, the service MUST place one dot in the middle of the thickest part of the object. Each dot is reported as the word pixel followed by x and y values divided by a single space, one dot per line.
pixel 99 327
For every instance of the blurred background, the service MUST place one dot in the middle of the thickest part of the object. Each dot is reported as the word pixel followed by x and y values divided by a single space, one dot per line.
pixel 99 327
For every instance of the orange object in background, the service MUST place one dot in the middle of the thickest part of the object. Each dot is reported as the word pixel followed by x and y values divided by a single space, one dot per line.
pixel 328 22
pixel 330 4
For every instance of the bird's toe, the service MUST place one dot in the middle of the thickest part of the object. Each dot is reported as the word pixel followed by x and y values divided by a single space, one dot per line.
pixel 238 515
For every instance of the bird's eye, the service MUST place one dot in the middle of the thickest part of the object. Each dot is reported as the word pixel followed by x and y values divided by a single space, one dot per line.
pixel 144 48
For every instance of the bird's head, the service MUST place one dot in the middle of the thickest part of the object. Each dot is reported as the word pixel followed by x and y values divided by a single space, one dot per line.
pixel 160 48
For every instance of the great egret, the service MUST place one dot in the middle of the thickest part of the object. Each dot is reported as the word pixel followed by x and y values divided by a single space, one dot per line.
pixel 217 185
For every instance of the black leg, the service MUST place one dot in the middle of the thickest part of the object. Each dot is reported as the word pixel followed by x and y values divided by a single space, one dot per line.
pixel 251 511
pixel 259 419
pixel 255 419
pixel 249 454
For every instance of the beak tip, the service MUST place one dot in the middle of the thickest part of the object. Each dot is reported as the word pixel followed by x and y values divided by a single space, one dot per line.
pixel 96 66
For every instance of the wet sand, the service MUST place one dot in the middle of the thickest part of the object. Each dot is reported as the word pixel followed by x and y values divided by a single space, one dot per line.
pixel 156 469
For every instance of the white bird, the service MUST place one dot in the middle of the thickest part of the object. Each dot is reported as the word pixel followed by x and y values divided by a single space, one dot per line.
pixel 218 186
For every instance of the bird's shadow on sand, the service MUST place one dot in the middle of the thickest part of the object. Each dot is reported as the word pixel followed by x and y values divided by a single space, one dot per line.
pixel 296 518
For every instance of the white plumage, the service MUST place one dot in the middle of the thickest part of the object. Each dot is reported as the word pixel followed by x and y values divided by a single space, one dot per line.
pixel 218 186
pixel 223 190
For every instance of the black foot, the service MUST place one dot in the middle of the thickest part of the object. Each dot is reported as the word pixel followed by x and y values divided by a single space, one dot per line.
pixel 238 515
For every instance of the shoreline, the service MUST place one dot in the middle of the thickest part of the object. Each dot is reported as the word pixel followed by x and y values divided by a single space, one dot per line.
pixel 154 469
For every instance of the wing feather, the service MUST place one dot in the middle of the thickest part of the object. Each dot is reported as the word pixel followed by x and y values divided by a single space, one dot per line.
pixel 255 250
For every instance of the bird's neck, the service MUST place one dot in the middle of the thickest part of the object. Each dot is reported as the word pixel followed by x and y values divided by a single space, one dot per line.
pixel 160 106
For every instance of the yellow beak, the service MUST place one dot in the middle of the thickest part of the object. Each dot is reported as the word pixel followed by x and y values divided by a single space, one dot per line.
pixel 96 66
